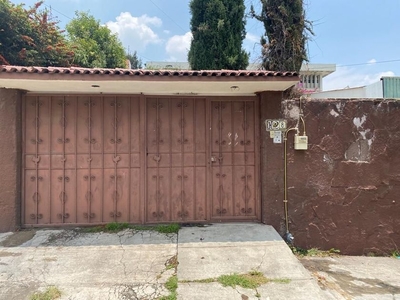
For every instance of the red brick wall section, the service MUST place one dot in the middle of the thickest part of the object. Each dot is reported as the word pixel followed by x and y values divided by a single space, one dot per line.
pixel 10 159
pixel 344 192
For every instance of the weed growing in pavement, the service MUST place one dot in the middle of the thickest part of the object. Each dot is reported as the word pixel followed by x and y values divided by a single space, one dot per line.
pixel 92 229
pixel 171 285
pixel 51 293
pixel 169 228
pixel 171 263
pixel 110 227
pixel 396 253
pixel 162 228
pixel 250 280
pixel 314 252
pixel 115 227
pixel 246 281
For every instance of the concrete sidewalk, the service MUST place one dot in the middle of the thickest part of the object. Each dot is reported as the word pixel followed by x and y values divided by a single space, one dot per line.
pixel 225 249
pixel 124 265
pixel 134 264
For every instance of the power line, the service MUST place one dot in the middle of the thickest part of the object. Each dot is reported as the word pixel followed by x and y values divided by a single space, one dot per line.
pixel 56 11
pixel 184 30
pixel 370 63
pixel 358 64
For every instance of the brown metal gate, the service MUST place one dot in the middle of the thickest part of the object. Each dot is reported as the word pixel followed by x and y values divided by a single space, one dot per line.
pixel 100 159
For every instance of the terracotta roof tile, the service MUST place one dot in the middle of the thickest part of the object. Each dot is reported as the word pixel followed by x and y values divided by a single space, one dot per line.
pixel 140 72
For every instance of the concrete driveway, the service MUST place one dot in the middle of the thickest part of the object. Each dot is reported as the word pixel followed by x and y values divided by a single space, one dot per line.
pixel 123 265
pixel 135 264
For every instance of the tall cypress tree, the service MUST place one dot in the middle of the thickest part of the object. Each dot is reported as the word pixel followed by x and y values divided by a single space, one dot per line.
pixel 218 28
pixel 286 33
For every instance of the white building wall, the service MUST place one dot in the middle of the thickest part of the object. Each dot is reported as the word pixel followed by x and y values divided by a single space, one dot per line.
pixel 358 92
pixel 374 90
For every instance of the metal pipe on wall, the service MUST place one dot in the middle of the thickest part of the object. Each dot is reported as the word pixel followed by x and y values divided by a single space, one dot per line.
pixel 288 236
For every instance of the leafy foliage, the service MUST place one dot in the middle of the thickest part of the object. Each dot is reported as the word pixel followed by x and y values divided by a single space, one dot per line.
pixel 218 28
pixel 95 45
pixel 286 34
pixel 136 62
pixel 31 37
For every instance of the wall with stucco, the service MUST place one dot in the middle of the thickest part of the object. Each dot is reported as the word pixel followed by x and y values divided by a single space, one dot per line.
pixel 344 192
pixel 10 159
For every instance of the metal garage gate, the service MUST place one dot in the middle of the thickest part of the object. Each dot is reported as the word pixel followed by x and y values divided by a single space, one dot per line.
pixel 100 159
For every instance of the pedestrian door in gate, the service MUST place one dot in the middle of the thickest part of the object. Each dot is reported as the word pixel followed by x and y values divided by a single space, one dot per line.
pixel 234 172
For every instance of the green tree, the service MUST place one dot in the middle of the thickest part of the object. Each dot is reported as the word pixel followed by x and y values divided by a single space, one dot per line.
pixel 218 29
pixel 30 37
pixel 286 34
pixel 95 45
pixel 136 62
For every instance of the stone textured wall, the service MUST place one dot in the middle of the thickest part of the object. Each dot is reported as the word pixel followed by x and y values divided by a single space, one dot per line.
pixel 344 192
pixel 10 159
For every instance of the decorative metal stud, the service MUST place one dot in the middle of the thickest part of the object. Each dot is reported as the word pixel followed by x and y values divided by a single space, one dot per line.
pixel 92 141
pixel 62 141
pixel 63 216
pixel 246 211
pixel 158 214
pixel 91 216
pixel 118 141
pixel 115 214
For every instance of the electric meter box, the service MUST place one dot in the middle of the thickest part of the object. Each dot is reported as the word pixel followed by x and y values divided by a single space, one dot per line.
pixel 300 142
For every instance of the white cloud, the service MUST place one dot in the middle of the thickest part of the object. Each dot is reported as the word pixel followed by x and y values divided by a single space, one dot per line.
pixel 178 46
pixel 252 38
pixel 135 32
pixel 351 77
pixel 372 61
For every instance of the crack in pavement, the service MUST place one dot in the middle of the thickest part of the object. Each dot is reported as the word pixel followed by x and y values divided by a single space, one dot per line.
pixel 122 262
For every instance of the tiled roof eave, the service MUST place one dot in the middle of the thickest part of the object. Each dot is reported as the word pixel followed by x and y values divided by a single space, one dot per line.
pixel 148 73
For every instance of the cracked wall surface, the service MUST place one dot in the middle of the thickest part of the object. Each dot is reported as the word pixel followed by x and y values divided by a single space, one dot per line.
pixel 344 192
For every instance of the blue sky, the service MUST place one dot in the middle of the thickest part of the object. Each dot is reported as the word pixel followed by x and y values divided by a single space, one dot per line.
pixel 359 36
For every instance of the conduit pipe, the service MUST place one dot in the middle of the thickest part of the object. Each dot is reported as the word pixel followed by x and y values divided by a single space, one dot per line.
pixel 288 236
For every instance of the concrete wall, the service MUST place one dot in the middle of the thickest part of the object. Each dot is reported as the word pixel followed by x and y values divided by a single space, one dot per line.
pixel 10 159
pixel 356 92
pixel 344 191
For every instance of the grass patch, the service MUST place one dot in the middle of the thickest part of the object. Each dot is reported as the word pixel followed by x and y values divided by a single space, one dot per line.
pixel 51 293
pixel 110 227
pixel 251 280
pixel 92 229
pixel 396 253
pixel 162 228
pixel 115 227
pixel 171 285
pixel 314 252
pixel 169 228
